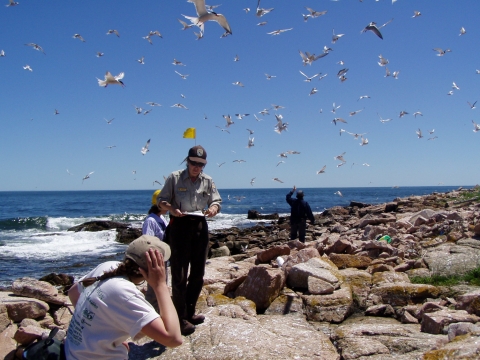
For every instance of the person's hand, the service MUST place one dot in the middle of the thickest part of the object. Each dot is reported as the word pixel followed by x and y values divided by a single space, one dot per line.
pixel 156 273
pixel 212 211
pixel 178 213
pixel 294 188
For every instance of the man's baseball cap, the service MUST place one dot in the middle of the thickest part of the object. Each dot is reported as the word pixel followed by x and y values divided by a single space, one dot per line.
pixel 197 153
pixel 138 247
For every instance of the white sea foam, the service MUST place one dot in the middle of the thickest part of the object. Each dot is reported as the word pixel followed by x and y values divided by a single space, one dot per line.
pixel 56 245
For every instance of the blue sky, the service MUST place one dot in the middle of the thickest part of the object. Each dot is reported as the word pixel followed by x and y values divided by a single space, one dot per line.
pixel 37 146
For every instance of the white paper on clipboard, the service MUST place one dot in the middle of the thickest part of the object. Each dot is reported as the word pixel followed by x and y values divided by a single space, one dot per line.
pixel 194 213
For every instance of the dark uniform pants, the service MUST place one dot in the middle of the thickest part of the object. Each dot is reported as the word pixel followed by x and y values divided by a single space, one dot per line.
pixel 299 227
pixel 188 240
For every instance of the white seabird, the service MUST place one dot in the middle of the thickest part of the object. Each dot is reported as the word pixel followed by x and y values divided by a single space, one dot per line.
pixel 203 16
pixel 112 80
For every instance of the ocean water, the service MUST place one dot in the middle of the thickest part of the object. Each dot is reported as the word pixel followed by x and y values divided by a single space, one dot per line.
pixel 34 240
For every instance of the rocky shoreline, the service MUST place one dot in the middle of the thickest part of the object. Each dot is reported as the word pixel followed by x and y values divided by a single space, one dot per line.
pixel 342 295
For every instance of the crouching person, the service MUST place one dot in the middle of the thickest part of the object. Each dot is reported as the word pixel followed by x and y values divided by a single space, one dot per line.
pixel 109 308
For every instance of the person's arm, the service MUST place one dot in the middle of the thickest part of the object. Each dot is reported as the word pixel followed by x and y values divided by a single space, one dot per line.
pixel 165 198
pixel 74 294
pixel 289 195
pixel 166 328
pixel 214 201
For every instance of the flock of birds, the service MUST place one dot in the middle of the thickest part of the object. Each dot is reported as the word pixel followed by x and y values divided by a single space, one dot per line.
pixel 206 13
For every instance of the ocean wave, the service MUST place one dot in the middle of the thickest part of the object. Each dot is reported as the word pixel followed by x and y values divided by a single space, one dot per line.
pixel 58 245
pixel 36 222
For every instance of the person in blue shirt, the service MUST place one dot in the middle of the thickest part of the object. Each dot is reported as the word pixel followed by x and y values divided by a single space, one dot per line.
pixel 300 212
pixel 155 224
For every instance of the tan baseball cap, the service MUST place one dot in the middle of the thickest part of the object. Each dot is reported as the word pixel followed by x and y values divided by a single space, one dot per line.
pixel 138 247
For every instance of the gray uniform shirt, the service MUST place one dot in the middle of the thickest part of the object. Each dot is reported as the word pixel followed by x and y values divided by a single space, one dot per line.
pixel 183 194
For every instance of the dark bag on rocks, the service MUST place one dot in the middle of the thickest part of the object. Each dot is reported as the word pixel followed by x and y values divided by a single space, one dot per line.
pixel 48 349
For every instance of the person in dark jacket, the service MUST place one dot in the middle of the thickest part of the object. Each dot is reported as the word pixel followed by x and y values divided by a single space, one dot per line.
pixel 299 214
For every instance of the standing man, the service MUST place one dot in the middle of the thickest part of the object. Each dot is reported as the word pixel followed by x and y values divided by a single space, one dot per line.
pixel 299 214
pixel 185 195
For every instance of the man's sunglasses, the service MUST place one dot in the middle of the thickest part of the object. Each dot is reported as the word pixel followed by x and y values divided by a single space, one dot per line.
pixel 196 164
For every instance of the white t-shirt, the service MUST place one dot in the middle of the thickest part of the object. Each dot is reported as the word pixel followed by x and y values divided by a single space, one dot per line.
pixel 107 313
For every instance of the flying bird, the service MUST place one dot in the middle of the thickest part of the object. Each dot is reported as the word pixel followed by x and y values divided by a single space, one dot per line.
pixel 99 54
pixel 238 83
pixel 36 47
pixel 113 32
pixel 219 165
pixel 338 193
pixel 441 52
pixel 269 77
pixel 416 14
pixel 363 97
pixel 309 78
pixel 250 142
pixel 340 157
pixel 419 133
pixel 78 36
pixel 322 170
pixel 241 116
pixel 277 179
pixel 472 106
pixel 314 13
pixel 27 67
pixel 476 127
pixel 260 12
pixel 179 63
pixel 87 176
pixel 112 80
pixel 203 16
pixel 222 129
pixel 184 77
pixel 376 30
pixel 278 32
pixel 417 113
pixel 180 106
pixel 145 148
pixel 141 60
pixel 364 141
pixel 252 181
pixel 109 121
pixel 335 37
pixel 462 31
pixel 12 3
pixel 228 119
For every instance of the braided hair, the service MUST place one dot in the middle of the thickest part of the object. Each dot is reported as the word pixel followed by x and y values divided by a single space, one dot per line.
pixel 128 267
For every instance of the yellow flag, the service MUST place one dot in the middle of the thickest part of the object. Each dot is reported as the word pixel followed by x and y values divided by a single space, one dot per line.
pixel 190 133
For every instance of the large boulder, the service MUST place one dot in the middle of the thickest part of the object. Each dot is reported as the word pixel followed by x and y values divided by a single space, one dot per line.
pixel 19 308
pixel 224 270
pixel 334 308
pixel 463 347
pixel 223 337
pixel 8 345
pixel 288 302
pixel 453 259
pixel 315 267
pixel 343 261
pixel 4 320
pixel 433 323
pixel 469 302
pixel 401 293
pixel 262 286
pixel 383 339
pixel 360 282
pixel 40 290
pixel 125 233
pixel 273 253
